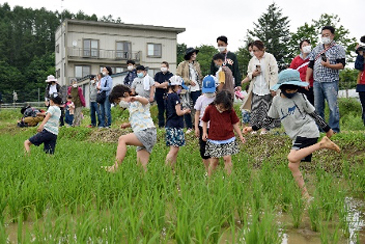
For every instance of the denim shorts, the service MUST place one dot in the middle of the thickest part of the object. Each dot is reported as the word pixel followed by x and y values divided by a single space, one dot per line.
pixel 47 138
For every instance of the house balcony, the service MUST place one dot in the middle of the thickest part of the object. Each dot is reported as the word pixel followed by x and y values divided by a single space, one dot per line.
pixel 94 54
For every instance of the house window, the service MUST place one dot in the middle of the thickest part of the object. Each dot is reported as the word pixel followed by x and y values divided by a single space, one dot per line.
pixel 123 50
pixel 152 72
pixel 91 48
pixel 114 69
pixel 58 48
pixel 154 50
pixel 58 73
pixel 81 71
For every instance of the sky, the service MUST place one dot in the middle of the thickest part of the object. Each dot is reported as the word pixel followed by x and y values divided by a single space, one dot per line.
pixel 205 20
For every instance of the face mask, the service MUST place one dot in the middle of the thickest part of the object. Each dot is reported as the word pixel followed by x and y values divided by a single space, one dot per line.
pixel 288 95
pixel 178 91
pixel 140 75
pixel 221 49
pixel 130 67
pixel 74 85
pixel 123 104
pixel 104 73
pixel 326 40
pixel 163 69
pixel 217 66
pixel 251 53
pixel 307 49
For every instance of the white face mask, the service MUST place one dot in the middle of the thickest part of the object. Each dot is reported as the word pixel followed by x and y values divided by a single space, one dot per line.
pixel 326 40
pixel 130 67
pixel 74 85
pixel 251 53
pixel 164 69
pixel 104 73
pixel 307 49
pixel 123 104
pixel 221 49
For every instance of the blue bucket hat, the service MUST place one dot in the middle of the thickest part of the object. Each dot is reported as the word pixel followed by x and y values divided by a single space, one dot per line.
pixel 208 84
pixel 290 77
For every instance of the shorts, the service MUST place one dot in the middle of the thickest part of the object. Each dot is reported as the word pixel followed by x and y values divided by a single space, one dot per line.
pixel 302 142
pixel 148 139
pixel 47 138
pixel 246 116
pixel 175 137
pixel 202 144
pixel 220 150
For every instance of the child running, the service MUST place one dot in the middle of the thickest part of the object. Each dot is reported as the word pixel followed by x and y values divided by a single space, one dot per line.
pixel 208 89
pixel 221 141
pixel 299 119
pixel 48 130
pixel 144 131
pixel 174 121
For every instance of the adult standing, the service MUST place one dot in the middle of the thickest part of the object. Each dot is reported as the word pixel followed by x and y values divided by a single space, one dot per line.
pixel 132 73
pixel 106 85
pixel 93 104
pixel 360 88
pixel 161 84
pixel 263 73
pixel 300 63
pixel 230 60
pixel 325 62
pixel 189 70
pixel 79 101
pixel 52 88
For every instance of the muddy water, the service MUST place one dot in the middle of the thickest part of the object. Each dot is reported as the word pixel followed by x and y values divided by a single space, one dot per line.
pixel 301 235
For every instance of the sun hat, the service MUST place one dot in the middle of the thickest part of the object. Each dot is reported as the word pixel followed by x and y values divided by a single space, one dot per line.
pixel 189 51
pixel 209 84
pixel 51 78
pixel 289 77
pixel 176 80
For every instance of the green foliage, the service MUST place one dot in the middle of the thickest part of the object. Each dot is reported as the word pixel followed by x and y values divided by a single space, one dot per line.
pixel 180 52
pixel 348 78
pixel 273 29
pixel 205 57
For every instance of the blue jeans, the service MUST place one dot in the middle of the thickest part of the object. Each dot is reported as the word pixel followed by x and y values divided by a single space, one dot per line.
pixel 106 116
pixel 69 118
pixel 94 109
pixel 328 91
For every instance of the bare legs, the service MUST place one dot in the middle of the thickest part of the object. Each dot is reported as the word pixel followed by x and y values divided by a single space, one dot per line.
pixel 295 156
pixel 213 163
pixel 171 156
pixel 27 145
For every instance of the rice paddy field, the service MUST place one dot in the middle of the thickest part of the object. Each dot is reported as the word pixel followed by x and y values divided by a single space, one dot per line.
pixel 68 198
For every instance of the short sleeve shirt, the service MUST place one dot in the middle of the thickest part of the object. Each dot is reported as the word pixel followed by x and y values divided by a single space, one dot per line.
pixel 140 116
pixel 52 124
pixel 221 124
pixel 138 85
pixel 201 104
pixel 324 74
pixel 172 119
pixel 294 116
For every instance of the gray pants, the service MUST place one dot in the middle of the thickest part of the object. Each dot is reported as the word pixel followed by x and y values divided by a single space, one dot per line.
pixel 77 117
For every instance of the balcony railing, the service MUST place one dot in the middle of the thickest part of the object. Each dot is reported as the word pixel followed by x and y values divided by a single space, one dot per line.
pixel 103 54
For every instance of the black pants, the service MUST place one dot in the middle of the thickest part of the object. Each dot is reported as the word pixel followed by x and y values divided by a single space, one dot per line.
pixel 362 100
pixel 159 97
pixel 202 144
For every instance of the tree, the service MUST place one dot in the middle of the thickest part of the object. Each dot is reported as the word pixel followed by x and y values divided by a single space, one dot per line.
pixel 243 56
pixel 180 52
pixel 273 29
pixel 348 78
pixel 313 30
pixel 205 57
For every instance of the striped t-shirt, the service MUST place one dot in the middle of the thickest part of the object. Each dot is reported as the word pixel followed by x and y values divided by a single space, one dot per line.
pixel 52 123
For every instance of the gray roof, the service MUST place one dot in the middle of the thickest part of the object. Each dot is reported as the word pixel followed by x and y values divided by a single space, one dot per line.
pixel 123 25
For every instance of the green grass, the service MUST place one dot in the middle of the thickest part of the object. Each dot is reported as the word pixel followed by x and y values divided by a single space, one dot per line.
pixel 68 198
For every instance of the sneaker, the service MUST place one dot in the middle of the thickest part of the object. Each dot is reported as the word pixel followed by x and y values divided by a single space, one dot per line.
pixel 253 132
pixel 264 132
pixel 189 131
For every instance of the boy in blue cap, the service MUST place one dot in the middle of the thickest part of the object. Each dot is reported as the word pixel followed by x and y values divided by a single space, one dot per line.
pixel 299 119
pixel 203 101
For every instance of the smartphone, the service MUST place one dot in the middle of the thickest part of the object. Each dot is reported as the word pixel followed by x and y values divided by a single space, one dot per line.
pixel 258 68
pixel 324 58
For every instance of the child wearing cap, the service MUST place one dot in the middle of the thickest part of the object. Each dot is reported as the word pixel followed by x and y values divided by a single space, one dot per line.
pixel 48 130
pixel 203 101
pixel 299 119
pixel 143 84
pixel 174 121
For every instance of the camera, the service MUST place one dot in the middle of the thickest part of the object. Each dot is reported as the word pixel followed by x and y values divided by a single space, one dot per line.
pixel 324 58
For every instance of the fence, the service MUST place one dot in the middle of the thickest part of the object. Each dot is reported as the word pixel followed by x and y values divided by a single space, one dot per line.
pixel 20 105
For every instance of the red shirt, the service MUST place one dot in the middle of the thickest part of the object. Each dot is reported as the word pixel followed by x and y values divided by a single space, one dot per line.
pixel 221 124
pixel 303 64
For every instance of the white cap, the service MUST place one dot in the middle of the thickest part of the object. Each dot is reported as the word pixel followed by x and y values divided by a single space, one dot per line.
pixel 176 80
